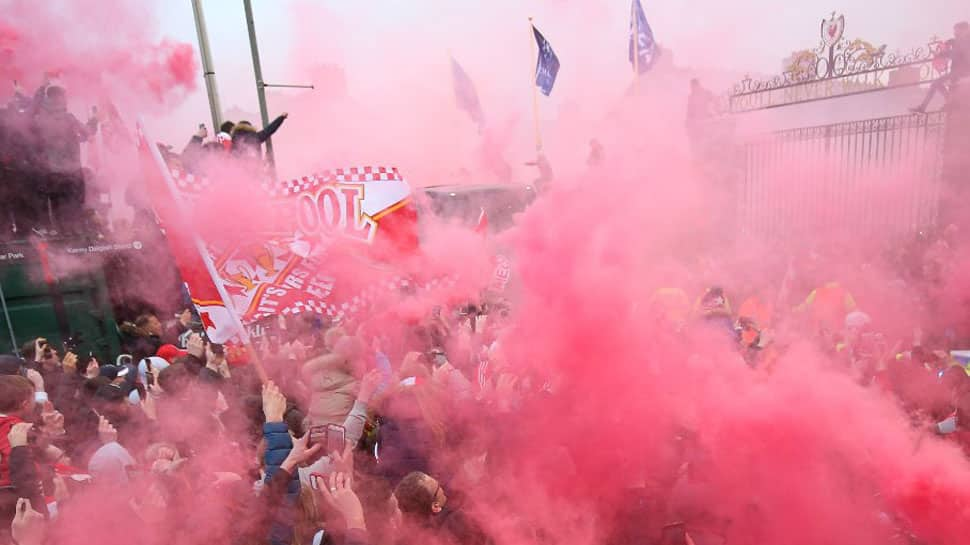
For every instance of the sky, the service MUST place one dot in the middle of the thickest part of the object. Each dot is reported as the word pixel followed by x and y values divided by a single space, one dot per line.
pixel 749 36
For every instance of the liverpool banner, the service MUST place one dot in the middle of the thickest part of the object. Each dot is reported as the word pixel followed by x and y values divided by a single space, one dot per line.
pixel 292 266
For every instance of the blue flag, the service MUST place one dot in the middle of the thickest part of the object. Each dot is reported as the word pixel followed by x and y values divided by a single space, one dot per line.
pixel 547 66
pixel 465 94
pixel 646 46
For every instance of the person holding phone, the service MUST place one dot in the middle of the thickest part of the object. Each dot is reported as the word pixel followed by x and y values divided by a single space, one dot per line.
pixel 194 151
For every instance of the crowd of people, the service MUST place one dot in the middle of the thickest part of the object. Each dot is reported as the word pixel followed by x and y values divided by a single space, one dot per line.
pixel 41 174
pixel 343 433
pixel 237 140
pixel 43 180
pixel 359 432
pixel 174 416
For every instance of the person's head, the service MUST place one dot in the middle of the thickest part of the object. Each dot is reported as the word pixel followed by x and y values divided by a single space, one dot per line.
pixel 114 373
pixel 349 348
pixel 56 98
pixel 226 126
pixel 16 395
pixel 169 353
pixel 955 381
pixel 110 400
pixel 175 380
pixel 242 127
pixel 149 324
pixel 10 365
pixel 419 496
pixel 961 29
pixel 92 385
pixel 29 350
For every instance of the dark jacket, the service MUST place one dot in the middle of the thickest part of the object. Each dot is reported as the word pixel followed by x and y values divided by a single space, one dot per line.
pixel 60 135
pixel 192 155
pixel 278 446
pixel 26 479
pixel 450 527
pixel 247 141
pixel 959 54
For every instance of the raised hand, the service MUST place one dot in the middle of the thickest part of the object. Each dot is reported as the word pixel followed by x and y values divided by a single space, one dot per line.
pixel 28 527
pixel 106 432
pixel 339 496
pixel 274 403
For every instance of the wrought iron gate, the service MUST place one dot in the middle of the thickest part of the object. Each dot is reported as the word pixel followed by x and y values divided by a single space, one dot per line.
pixel 873 176
pixel 859 177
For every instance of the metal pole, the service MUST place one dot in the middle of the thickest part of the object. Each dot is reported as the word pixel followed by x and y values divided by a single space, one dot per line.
pixel 208 70
pixel 288 86
pixel 260 85
pixel 15 348
pixel 535 88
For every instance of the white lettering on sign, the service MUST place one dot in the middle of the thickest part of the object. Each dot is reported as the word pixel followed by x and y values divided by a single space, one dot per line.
pixel 825 88
pixel 336 208
pixel 320 288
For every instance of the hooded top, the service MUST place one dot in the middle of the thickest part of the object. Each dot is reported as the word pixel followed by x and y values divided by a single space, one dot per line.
pixel 110 464
pixel 60 133
pixel 247 141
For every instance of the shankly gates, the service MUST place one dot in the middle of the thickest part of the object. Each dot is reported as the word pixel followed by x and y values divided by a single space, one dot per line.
pixel 881 175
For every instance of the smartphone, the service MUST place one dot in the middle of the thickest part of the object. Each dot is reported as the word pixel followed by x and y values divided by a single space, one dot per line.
pixel 947 426
pixel 317 434
pixel 336 438
pixel 674 534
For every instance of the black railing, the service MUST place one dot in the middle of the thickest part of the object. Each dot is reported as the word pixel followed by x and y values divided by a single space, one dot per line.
pixel 862 177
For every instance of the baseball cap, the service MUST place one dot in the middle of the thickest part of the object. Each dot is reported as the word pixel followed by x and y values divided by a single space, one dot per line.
pixel 169 352
pixel 110 392
pixel 113 371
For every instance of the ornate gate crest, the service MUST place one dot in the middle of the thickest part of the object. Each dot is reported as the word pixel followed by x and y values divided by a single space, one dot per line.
pixel 836 67
pixel 832 30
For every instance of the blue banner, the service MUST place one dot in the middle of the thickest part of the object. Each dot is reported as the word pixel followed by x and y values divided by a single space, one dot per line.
pixel 547 66
pixel 645 47
pixel 465 94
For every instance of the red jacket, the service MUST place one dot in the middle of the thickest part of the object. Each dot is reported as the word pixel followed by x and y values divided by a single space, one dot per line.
pixel 6 422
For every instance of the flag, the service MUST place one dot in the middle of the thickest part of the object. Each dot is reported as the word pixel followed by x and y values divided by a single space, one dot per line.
pixel 547 65
pixel 193 264
pixel 294 266
pixel 482 226
pixel 465 94
pixel 646 46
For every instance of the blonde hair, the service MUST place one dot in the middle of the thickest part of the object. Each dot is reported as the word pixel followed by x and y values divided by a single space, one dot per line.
pixel 307 516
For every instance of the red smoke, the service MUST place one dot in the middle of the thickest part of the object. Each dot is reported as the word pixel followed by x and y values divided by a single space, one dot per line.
pixel 97 49
pixel 799 454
